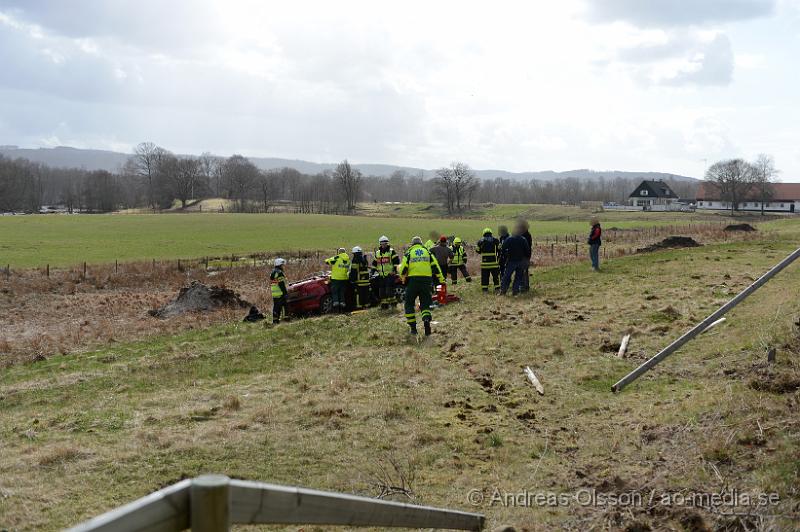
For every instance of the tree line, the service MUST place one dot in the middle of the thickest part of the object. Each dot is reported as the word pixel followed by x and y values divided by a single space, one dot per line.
pixel 155 179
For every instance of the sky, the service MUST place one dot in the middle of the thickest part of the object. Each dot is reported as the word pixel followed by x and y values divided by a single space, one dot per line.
pixel 658 85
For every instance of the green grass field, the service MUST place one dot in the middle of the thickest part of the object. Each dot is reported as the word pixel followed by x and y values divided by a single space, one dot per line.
pixel 33 241
pixel 331 402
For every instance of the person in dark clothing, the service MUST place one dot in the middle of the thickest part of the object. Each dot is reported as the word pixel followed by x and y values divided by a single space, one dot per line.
pixel 442 253
pixel 595 242
pixel 516 250
pixel 359 277
pixel 277 283
pixel 526 234
pixel 503 234
pixel 489 249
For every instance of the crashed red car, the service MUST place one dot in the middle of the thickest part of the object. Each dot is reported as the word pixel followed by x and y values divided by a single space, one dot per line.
pixel 313 294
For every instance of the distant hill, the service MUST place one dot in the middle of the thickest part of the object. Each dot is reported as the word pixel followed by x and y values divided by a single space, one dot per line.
pixel 63 156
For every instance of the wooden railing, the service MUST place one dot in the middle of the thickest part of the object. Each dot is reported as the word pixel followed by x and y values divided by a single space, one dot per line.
pixel 212 503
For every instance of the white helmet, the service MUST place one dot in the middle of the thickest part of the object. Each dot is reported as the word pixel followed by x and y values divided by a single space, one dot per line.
pixel 280 262
pixel 383 239
pixel 357 249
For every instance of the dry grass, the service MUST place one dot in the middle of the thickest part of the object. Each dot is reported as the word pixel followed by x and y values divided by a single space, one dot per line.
pixel 336 402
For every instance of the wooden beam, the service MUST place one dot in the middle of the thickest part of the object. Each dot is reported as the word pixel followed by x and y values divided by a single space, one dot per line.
pixel 260 503
pixel 623 347
pixel 165 510
pixel 532 377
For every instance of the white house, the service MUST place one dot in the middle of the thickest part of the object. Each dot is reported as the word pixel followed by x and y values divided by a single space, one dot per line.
pixel 785 198
pixel 653 195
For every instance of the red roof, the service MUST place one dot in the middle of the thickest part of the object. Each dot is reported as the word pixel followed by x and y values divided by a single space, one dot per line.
pixel 780 191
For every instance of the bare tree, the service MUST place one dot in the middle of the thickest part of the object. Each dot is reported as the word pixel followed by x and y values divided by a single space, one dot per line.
pixel 180 178
pixel 349 182
pixel 733 178
pixel 464 182
pixel 209 171
pixel 456 185
pixel 764 174
pixel 240 177
pixel 146 158
pixel 445 187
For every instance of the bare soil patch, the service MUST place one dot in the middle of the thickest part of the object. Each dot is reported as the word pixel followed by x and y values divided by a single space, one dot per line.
pixel 672 242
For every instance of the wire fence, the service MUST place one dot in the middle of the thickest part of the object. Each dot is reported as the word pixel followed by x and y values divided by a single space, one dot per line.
pixel 549 250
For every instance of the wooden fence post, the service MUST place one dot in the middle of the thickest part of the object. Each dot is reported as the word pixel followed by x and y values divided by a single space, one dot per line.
pixel 48 271
pixel 84 270
pixel 210 504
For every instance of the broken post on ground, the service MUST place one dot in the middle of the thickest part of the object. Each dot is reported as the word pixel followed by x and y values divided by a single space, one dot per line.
pixel 623 347
pixel 535 381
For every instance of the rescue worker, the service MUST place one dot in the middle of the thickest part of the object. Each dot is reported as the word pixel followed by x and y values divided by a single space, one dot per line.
pixel 417 268
pixel 429 244
pixel 458 262
pixel 489 248
pixel 340 273
pixel 277 283
pixel 595 242
pixel 384 264
pixel 359 277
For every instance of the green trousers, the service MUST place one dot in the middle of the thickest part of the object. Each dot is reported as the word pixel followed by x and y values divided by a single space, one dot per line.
pixel 418 287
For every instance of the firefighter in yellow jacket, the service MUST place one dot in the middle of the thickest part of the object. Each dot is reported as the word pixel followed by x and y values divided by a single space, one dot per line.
pixel 340 275
pixel 417 268
pixel 277 283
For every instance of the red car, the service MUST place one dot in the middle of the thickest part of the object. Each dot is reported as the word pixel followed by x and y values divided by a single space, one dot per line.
pixel 313 295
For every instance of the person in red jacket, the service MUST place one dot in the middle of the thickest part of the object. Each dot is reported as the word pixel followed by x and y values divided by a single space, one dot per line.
pixel 595 243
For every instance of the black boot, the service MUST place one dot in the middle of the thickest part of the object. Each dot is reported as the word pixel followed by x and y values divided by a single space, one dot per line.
pixel 413 327
pixel 427 325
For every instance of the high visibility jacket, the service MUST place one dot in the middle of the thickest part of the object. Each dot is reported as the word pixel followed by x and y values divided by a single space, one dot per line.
pixel 429 244
pixel 418 262
pixel 277 283
pixel 386 262
pixel 489 248
pixel 340 266
pixel 459 256
pixel 359 271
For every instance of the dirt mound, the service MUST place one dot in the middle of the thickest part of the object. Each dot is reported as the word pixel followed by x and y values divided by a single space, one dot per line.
pixel 198 297
pixel 671 242
pixel 740 227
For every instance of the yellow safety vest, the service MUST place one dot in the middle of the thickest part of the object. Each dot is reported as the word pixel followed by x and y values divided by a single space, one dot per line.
pixel 275 280
pixel 418 262
pixel 385 262
pixel 340 267
pixel 459 255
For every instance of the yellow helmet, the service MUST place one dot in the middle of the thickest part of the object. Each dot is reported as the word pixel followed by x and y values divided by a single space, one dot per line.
pixel 456 240
pixel 487 231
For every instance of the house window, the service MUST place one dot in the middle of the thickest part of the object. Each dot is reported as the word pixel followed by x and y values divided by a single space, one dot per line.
pixel 644 193
pixel 781 205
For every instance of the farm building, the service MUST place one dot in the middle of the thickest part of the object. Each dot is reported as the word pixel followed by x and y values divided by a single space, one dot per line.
pixel 653 195
pixel 785 197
